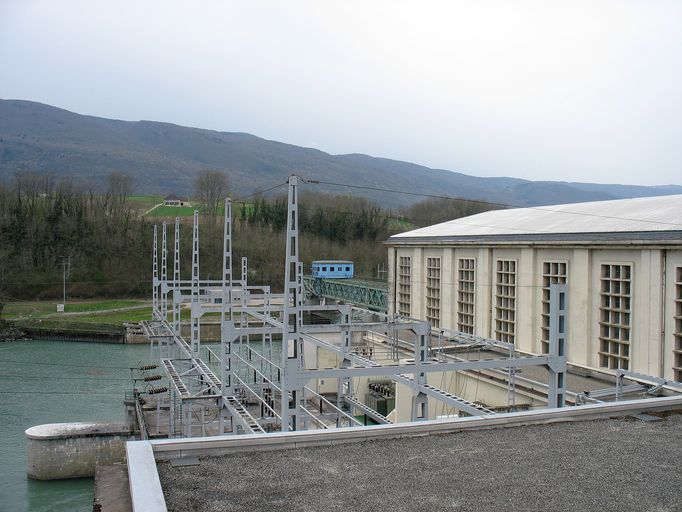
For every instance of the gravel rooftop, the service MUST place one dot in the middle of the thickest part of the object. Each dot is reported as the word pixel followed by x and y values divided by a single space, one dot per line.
pixel 617 464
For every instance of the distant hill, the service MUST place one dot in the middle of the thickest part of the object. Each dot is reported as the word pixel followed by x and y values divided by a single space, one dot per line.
pixel 164 158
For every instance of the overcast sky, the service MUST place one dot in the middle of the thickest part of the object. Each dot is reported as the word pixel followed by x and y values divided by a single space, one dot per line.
pixel 546 90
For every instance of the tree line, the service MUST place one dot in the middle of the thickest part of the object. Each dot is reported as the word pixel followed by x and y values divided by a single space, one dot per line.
pixel 45 223
pixel 335 218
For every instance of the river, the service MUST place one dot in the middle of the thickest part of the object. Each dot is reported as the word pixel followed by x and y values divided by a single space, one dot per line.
pixel 53 382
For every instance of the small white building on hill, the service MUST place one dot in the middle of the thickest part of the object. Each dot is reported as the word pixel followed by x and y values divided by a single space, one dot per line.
pixel 173 200
pixel 489 274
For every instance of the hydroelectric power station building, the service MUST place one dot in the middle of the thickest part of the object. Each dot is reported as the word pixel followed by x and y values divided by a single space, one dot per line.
pixel 489 274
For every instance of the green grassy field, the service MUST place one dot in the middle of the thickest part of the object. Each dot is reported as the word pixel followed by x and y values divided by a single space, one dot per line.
pixel 172 211
pixel 92 315
pixel 117 317
pixel 41 309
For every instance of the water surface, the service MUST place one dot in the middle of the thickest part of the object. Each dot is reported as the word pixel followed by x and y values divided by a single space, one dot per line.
pixel 54 382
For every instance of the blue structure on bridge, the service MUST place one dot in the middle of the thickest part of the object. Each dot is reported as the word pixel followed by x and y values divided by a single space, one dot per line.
pixel 332 269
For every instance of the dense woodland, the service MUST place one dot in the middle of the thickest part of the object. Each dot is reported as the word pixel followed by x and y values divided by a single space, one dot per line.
pixel 105 243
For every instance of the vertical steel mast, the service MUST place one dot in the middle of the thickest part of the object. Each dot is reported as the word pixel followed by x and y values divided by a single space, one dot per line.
pixel 177 297
pixel 164 273
pixel 195 335
pixel 292 342
pixel 155 275
pixel 226 325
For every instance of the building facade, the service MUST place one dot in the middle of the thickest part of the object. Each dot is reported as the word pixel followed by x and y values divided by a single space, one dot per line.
pixel 489 274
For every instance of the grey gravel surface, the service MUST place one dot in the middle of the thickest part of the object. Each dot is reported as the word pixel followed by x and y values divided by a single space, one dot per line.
pixel 618 464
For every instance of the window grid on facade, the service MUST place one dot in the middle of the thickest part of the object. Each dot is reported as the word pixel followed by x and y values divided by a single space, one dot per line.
pixel 505 300
pixel 614 316
pixel 466 293
pixel 433 291
pixel 553 272
pixel 404 285
pixel 677 363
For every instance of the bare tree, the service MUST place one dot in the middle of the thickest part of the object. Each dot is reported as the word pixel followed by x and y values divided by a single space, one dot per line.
pixel 119 187
pixel 211 188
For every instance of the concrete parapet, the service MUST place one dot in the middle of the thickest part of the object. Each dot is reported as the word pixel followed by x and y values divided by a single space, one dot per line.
pixel 73 450
pixel 166 449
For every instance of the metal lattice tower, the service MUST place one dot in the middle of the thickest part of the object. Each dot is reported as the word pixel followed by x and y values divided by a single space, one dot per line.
pixel 195 336
pixel 227 326
pixel 155 275
pixel 164 273
pixel 177 297
pixel 292 319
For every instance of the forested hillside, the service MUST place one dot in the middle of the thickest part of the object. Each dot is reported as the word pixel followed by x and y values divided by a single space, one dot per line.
pixel 105 241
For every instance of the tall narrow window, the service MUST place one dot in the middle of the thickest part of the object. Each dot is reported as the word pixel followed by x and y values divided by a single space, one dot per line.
pixel 505 301
pixel 404 285
pixel 677 364
pixel 433 291
pixel 466 293
pixel 614 316
pixel 553 272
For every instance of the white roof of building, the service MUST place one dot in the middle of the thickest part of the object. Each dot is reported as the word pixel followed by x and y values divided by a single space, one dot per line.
pixel 645 214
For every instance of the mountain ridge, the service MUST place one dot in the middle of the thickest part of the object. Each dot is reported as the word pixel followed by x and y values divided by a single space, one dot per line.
pixel 164 157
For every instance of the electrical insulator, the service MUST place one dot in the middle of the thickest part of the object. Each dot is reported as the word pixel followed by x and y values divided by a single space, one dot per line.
pixel 150 378
pixel 156 391
pixel 148 367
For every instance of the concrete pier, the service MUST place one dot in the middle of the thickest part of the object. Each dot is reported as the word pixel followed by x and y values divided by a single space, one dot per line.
pixel 73 450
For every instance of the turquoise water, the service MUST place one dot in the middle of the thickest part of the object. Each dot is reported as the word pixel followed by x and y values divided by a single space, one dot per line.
pixel 54 382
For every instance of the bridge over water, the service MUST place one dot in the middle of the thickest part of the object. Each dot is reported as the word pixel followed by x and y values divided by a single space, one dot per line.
pixel 361 292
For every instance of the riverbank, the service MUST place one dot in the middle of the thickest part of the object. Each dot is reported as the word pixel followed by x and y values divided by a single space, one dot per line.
pixel 100 321
pixel 10 333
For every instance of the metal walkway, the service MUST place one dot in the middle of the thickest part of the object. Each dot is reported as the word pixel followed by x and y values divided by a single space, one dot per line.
pixel 447 398
pixel 176 379
pixel 252 426
pixel 376 416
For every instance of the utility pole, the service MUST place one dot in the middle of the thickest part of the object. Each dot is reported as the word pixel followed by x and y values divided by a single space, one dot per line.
pixel 66 268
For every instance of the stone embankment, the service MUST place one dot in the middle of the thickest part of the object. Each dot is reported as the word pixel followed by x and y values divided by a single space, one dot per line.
pixel 13 334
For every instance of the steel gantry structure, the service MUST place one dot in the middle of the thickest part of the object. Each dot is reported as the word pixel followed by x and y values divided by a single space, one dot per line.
pixel 267 372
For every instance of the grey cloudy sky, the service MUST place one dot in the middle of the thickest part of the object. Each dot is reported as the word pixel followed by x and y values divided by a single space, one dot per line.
pixel 573 90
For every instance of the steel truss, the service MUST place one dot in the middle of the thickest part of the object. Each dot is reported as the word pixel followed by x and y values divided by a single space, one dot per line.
pixel 361 294
pixel 247 387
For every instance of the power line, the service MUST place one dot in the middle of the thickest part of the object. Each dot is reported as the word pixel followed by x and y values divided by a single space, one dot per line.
pixel 434 196
pixel 490 203
pixel 258 192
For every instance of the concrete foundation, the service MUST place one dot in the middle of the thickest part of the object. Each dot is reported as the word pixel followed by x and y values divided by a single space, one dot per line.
pixel 73 450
